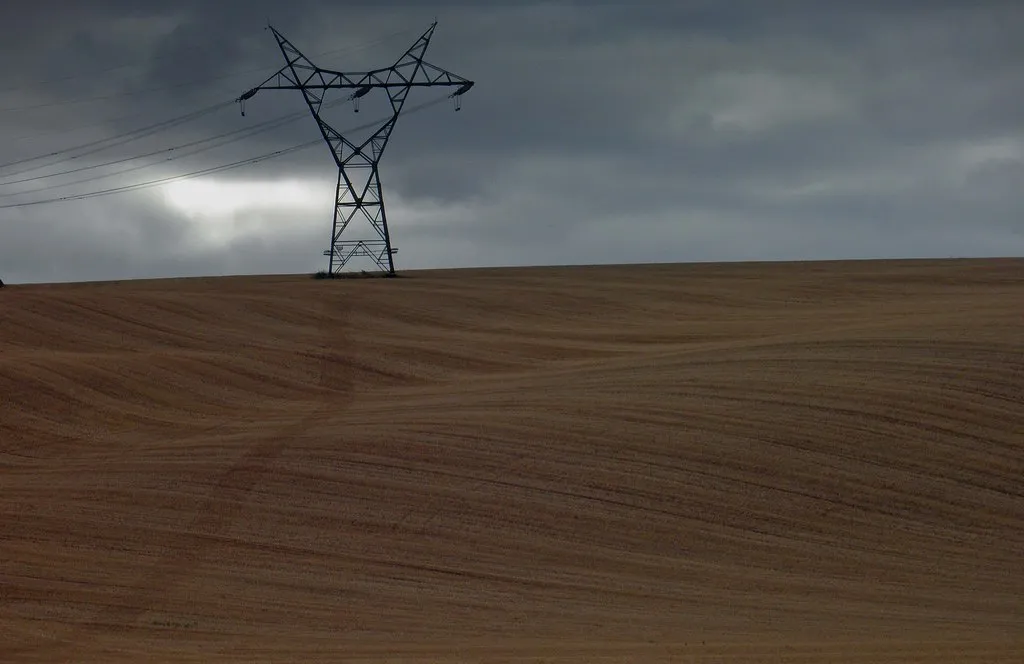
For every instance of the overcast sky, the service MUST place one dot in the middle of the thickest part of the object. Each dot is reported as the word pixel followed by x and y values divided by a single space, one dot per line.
pixel 596 133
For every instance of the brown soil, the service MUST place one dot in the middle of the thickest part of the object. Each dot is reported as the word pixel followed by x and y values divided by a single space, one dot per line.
pixel 805 462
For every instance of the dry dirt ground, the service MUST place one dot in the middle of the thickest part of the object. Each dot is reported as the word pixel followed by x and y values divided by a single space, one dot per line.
pixel 806 462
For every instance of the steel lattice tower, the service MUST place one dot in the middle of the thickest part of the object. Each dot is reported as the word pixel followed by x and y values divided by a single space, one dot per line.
pixel 359 188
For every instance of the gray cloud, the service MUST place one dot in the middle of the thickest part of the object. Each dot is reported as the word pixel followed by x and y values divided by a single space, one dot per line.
pixel 597 132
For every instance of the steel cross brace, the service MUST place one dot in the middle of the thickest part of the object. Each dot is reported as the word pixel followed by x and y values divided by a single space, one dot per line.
pixel 359 189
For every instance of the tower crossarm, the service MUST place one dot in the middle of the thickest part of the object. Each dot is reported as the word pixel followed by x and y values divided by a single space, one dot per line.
pixel 301 74
pixel 408 71
pixel 322 79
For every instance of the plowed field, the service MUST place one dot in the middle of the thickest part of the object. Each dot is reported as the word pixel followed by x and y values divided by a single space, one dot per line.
pixel 804 462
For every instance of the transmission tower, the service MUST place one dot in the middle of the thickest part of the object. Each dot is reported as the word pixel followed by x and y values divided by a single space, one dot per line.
pixel 359 189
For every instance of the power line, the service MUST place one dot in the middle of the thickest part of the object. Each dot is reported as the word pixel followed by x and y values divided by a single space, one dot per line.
pixel 119 139
pixel 205 171
pixel 104 121
pixel 67 129
pixel 239 134
pixel 145 131
pixel 155 183
pixel 115 95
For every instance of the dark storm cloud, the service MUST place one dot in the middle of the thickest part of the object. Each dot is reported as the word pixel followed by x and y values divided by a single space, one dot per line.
pixel 597 131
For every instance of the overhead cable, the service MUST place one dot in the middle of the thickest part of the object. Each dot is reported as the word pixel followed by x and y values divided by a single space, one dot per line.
pixel 237 134
pixel 93 147
pixel 205 171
